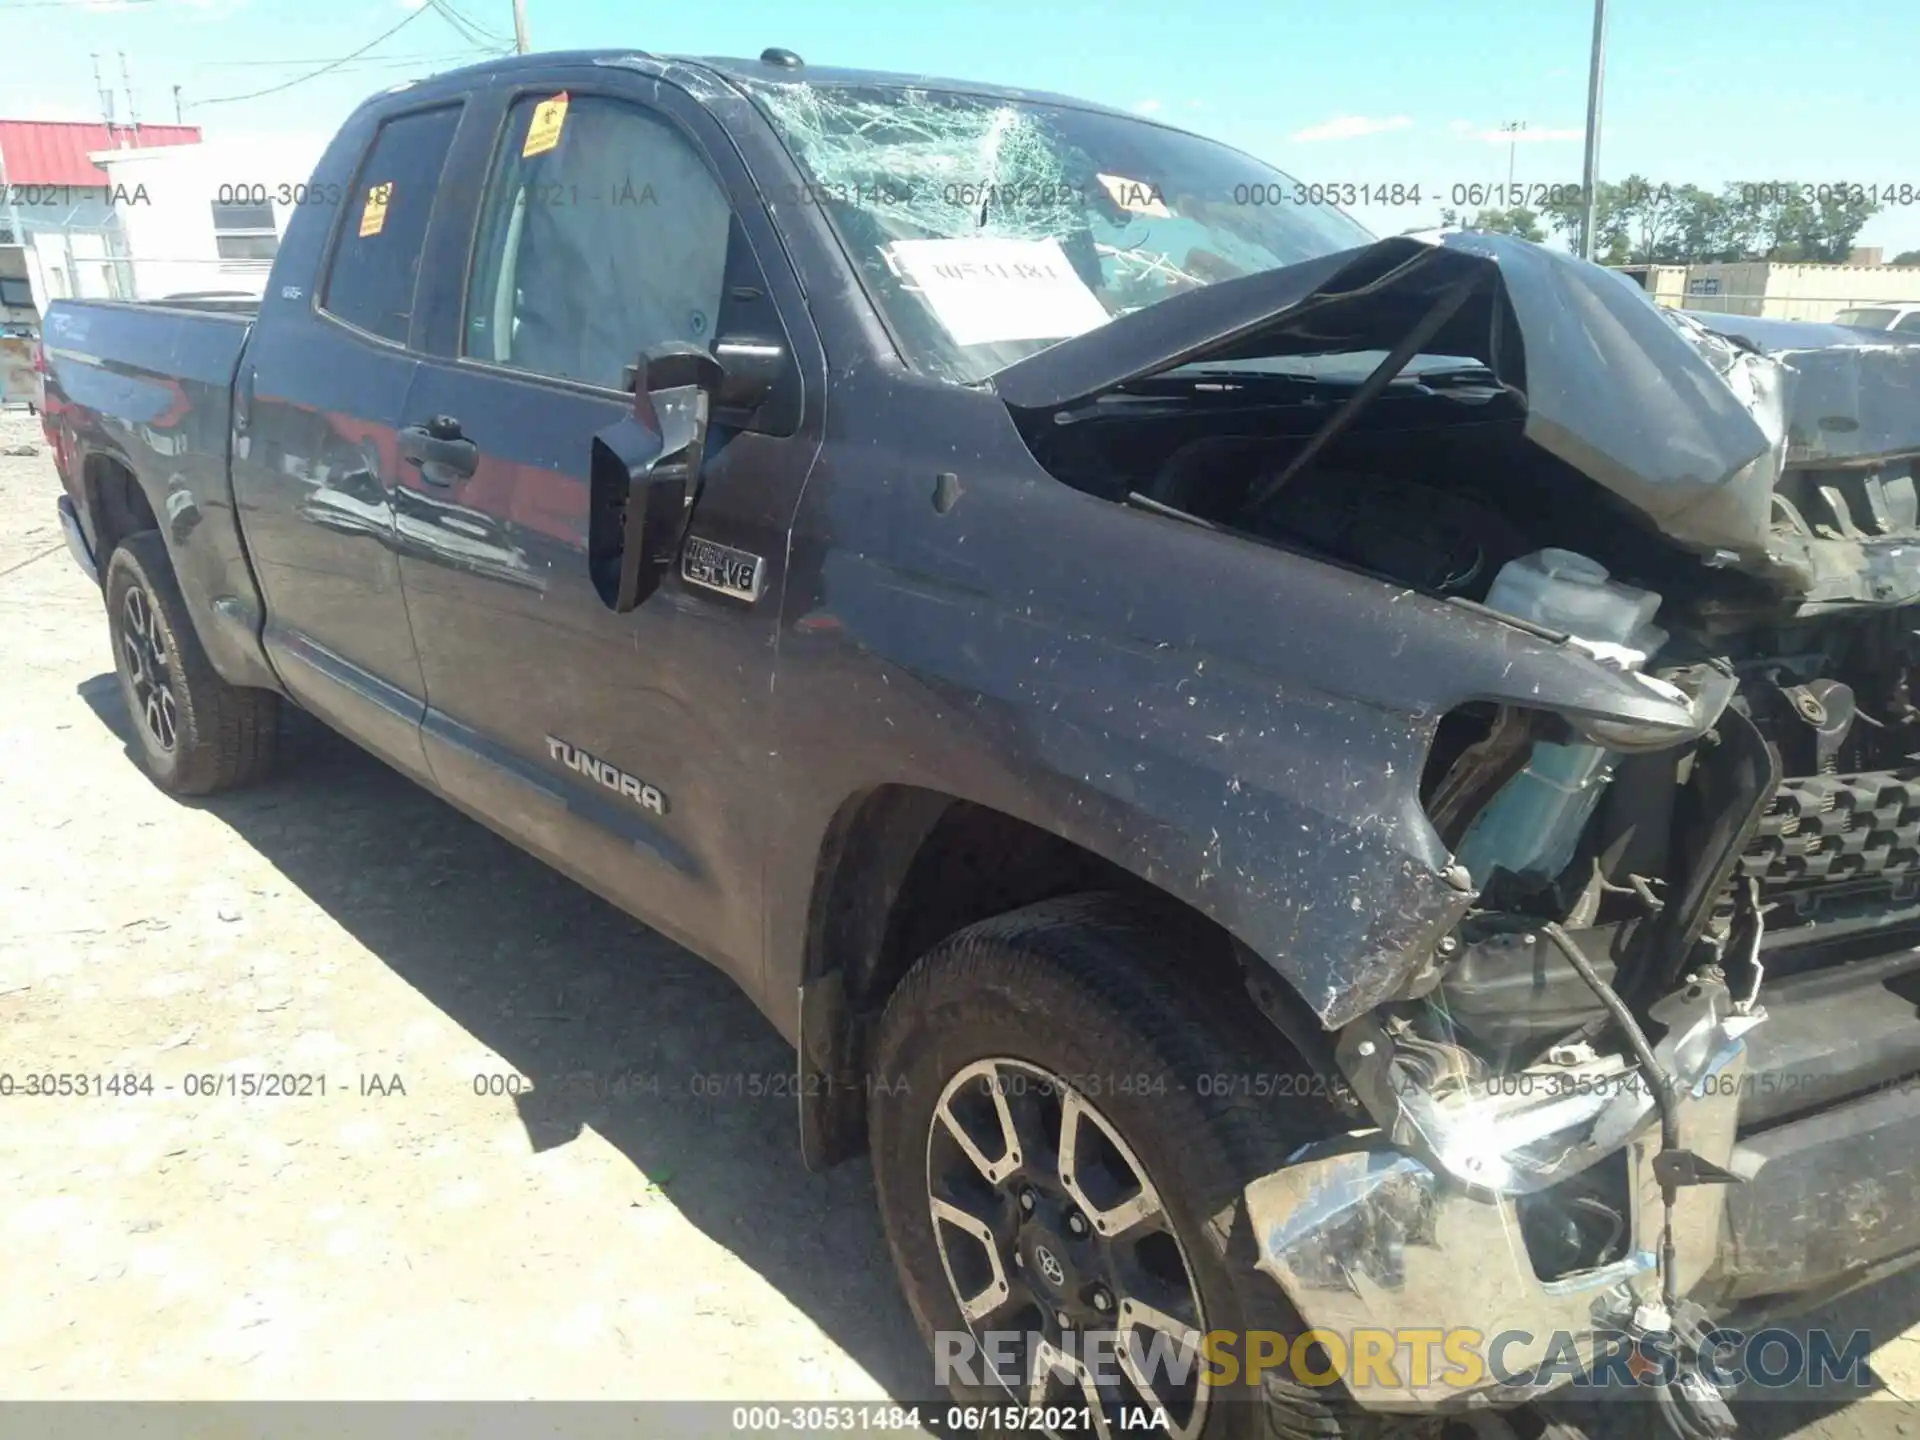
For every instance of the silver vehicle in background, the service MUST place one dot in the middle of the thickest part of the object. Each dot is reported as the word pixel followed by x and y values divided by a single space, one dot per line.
pixel 1903 318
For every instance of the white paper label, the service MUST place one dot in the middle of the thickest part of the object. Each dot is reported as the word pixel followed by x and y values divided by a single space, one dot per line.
pixel 985 289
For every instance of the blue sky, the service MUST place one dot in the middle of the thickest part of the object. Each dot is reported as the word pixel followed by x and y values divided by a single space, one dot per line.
pixel 1368 90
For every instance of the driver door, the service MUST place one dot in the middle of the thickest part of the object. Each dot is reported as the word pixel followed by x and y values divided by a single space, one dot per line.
pixel 629 749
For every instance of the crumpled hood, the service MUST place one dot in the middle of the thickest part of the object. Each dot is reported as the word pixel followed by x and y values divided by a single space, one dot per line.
pixel 1851 394
pixel 1692 426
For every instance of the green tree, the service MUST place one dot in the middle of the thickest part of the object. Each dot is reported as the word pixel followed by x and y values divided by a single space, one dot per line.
pixel 1518 221
pixel 1637 222
pixel 1906 257
pixel 1611 243
pixel 1687 224
pixel 1788 224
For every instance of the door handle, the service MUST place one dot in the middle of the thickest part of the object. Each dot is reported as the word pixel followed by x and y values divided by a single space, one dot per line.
pixel 440 450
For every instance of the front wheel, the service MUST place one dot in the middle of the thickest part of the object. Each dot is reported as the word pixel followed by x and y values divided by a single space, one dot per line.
pixel 1061 1174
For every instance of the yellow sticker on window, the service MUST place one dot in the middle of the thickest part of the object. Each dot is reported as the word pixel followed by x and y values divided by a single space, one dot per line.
pixel 544 133
pixel 375 215
pixel 1137 196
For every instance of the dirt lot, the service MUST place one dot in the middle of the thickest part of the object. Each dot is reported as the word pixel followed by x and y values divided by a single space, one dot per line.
pixel 437 1242
pixel 405 1234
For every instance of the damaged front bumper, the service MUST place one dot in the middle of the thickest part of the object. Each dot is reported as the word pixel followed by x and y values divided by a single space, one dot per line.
pixel 1366 1235
pixel 1425 1241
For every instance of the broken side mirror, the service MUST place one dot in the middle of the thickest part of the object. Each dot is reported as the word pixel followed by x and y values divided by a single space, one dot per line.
pixel 752 369
pixel 645 476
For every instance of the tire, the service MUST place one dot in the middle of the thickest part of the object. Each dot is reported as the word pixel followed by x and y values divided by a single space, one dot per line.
pixel 1088 989
pixel 195 734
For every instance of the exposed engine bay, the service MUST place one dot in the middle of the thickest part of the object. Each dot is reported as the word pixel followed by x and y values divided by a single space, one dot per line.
pixel 1435 489
pixel 1635 903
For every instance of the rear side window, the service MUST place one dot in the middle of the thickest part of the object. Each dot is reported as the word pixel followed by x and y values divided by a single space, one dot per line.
pixel 376 255
pixel 1910 322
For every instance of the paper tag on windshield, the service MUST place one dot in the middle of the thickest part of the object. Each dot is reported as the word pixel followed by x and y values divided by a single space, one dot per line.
pixel 985 289
pixel 374 216
pixel 543 131
pixel 1135 195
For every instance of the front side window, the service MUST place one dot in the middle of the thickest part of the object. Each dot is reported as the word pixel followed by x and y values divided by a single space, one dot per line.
pixel 1909 323
pixel 602 234
pixel 376 257
pixel 988 228
pixel 1867 318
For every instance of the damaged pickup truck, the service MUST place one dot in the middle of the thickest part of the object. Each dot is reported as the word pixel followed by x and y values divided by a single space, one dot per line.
pixel 1277 781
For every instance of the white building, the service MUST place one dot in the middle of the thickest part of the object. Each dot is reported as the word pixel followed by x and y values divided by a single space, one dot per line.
pixel 1667 284
pixel 208 218
pixel 1785 291
pixel 59 227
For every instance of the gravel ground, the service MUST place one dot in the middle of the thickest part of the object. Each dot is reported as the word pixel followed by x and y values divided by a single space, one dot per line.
pixel 429 1241
pixel 407 1234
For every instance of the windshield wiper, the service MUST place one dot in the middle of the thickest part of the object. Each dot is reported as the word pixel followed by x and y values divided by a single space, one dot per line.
pixel 1445 306
pixel 1465 375
pixel 1183 379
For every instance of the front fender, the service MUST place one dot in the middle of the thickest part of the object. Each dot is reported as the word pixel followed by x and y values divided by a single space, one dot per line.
pixel 1268 777
pixel 1242 726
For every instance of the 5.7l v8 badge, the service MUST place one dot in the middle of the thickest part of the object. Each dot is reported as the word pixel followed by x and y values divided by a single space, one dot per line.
pixel 721 567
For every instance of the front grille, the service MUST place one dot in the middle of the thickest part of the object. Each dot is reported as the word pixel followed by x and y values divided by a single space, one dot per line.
pixel 1823 828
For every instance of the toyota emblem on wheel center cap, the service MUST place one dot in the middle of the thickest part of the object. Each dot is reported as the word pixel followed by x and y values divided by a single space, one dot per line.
pixel 1050 1267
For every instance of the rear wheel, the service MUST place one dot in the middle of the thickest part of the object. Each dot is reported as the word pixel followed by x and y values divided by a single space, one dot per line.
pixel 1058 1158
pixel 195 733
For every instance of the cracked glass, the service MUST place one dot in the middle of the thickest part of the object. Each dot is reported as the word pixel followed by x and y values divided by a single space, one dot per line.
pixel 988 228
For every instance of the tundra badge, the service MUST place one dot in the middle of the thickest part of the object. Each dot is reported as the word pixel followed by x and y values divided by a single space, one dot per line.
pixel 614 778
pixel 721 567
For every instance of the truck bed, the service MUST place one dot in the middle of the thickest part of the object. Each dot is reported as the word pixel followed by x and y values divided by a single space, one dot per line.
pixel 146 390
pixel 126 363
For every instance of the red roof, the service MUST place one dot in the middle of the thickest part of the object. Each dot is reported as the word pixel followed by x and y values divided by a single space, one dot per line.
pixel 54 152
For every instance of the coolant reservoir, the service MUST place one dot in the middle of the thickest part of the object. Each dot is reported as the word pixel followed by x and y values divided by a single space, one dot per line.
pixel 1564 590
pixel 1532 827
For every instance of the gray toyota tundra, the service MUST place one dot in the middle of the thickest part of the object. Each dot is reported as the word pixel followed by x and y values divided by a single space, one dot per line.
pixel 1286 787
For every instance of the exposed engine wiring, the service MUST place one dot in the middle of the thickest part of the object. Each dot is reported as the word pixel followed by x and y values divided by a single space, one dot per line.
pixel 1659 1082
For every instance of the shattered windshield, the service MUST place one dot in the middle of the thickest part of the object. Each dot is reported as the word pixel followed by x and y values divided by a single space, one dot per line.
pixel 988 229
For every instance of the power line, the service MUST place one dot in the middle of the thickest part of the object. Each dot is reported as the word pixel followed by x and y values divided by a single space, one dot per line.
pixel 455 21
pixel 463 58
pixel 468 27
pixel 406 20
pixel 336 60
pixel 13 5
pixel 422 64
pixel 425 64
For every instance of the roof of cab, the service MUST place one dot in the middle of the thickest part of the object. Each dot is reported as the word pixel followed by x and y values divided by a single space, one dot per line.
pixel 761 72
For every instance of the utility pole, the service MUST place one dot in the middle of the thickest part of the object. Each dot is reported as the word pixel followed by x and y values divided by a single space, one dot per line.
pixel 520 42
pixel 106 97
pixel 126 84
pixel 1590 171
pixel 1512 129
pixel 14 234
pixel 178 118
